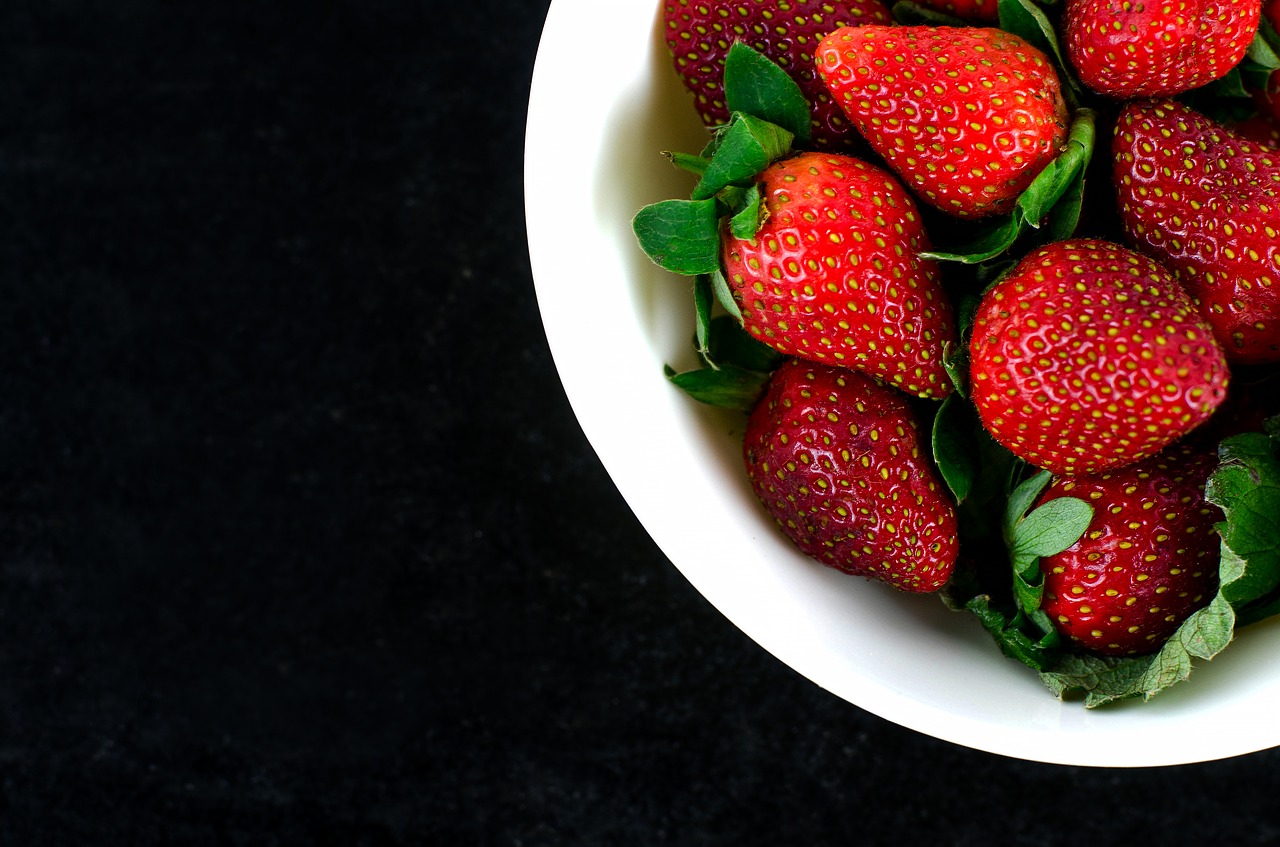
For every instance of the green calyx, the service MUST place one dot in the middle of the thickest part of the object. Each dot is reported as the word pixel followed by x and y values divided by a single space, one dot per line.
pixel 769 114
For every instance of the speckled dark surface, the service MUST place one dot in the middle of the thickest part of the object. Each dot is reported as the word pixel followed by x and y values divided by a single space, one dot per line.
pixel 299 540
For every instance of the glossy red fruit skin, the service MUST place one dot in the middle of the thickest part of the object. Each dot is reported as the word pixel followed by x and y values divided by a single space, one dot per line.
pixel 1130 50
pixel 1206 202
pixel 835 458
pixel 834 274
pixel 1148 560
pixel 1089 356
pixel 699 34
pixel 970 10
pixel 965 116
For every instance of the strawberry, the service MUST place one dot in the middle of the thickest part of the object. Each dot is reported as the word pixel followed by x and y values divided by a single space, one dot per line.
pixel 1148 559
pixel 834 275
pixel 1206 202
pixel 1260 129
pixel 970 10
pixel 699 34
pixel 966 116
pixel 835 457
pixel 1089 356
pixel 1129 50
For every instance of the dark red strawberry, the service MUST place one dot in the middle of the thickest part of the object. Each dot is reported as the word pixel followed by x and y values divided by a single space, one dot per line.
pixel 699 34
pixel 834 273
pixel 966 116
pixel 836 459
pixel 1206 202
pixel 970 10
pixel 1147 561
pixel 1260 129
pixel 1132 50
pixel 1089 356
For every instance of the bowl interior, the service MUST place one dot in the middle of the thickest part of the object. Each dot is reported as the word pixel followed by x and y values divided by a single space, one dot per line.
pixel 592 158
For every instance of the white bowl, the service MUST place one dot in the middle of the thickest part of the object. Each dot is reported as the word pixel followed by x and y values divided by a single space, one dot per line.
pixel 596 126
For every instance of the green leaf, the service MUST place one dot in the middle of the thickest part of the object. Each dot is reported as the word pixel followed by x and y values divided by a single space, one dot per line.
pixel 955 451
pixel 1020 499
pixel 745 222
pixel 703 299
pixel 1032 648
pixel 1056 179
pixel 1064 217
pixel 1264 50
pixel 754 85
pixel 728 387
pixel 1246 486
pixel 993 241
pixel 720 287
pixel 688 162
pixel 1106 679
pixel 906 13
pixel 747 146
pixel 730 344
pixel 682 236
pixel 1051 528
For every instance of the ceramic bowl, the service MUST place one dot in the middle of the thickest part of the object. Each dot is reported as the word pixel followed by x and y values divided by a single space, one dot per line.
pixel 595 132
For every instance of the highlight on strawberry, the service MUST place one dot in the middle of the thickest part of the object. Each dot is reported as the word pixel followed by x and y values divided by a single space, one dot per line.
pixel 973 360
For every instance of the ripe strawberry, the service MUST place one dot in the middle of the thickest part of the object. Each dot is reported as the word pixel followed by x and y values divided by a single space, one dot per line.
pixel 835 458
pixel 1206 202
pixel 699 34
pixel 1089 356
pixel 970 10
pixel 1148 559
pixel 834 273
pixel 1130 50
pixel 967 117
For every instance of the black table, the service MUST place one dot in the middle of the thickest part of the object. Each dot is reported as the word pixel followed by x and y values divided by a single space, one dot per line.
pixel 301 543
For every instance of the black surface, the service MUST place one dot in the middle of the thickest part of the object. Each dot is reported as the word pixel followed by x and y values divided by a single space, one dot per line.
pixel 299 540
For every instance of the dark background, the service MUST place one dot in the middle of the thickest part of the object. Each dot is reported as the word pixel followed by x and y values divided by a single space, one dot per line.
pixel 299 540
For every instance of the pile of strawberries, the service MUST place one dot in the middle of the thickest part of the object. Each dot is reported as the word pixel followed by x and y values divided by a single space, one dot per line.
pixel 992 281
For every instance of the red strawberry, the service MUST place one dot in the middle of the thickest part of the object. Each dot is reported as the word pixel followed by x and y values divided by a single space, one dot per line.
pixel 1089 356
pixel 1127 49
pixel 1206 202
pixel 834 273
pixel 972 10
pixel 1147 561
pixel 835 458
pixel 699 34
pixel 967 117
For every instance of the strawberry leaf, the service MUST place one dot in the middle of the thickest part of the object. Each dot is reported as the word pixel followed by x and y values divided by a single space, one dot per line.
pixel 1054 181
pixel 1246 486
pixel 756 86
pixel 955 452
pixel 746 147
pixel 745 222
pixel 1264 50
pixel 729 344
pixel 1046 531
pixel 720 287
pixel 728 386
pixel 682 236
pixel 696 165
pixel 990 243
pixel 703 301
